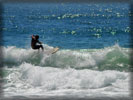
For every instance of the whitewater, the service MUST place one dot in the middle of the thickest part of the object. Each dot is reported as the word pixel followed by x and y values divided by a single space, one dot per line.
pixel 82 73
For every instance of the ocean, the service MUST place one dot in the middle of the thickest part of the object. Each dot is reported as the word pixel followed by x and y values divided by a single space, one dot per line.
pixel 94 56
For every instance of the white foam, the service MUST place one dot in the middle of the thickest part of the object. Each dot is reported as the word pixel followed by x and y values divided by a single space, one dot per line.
pixel 16 55
pixel 43 80
pixel 89 58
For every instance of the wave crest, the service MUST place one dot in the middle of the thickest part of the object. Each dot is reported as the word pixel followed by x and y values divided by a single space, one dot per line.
pixel 111 58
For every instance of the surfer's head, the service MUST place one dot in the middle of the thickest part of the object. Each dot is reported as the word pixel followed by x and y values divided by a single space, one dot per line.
pixel 37 37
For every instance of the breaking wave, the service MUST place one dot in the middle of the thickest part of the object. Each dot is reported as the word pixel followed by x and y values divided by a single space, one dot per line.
pixel 30 72
pixel 110 58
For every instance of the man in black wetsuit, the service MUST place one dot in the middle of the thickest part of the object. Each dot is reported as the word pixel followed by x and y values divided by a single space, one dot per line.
pixel 34 42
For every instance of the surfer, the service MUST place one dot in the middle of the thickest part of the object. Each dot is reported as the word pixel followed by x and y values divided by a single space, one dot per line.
pixel 34 41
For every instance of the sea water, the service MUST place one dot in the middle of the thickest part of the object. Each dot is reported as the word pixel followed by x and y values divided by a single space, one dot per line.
pixel 94 55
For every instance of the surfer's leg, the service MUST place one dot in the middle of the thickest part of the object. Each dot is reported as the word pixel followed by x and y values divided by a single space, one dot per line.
pixel 38 47
pixel 41 47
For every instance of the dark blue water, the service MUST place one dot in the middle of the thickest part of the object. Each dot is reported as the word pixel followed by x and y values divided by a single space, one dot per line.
pixel 68 26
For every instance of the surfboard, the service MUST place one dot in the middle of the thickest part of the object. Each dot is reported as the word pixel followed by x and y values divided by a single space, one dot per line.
pixel 55 50
pixel 51 51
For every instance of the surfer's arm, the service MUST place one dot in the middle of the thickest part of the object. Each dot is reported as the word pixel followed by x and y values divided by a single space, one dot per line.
pixel 39 42
pixel 33 37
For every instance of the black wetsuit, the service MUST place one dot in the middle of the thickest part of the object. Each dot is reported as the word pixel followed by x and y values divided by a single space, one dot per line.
pixel 34 44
